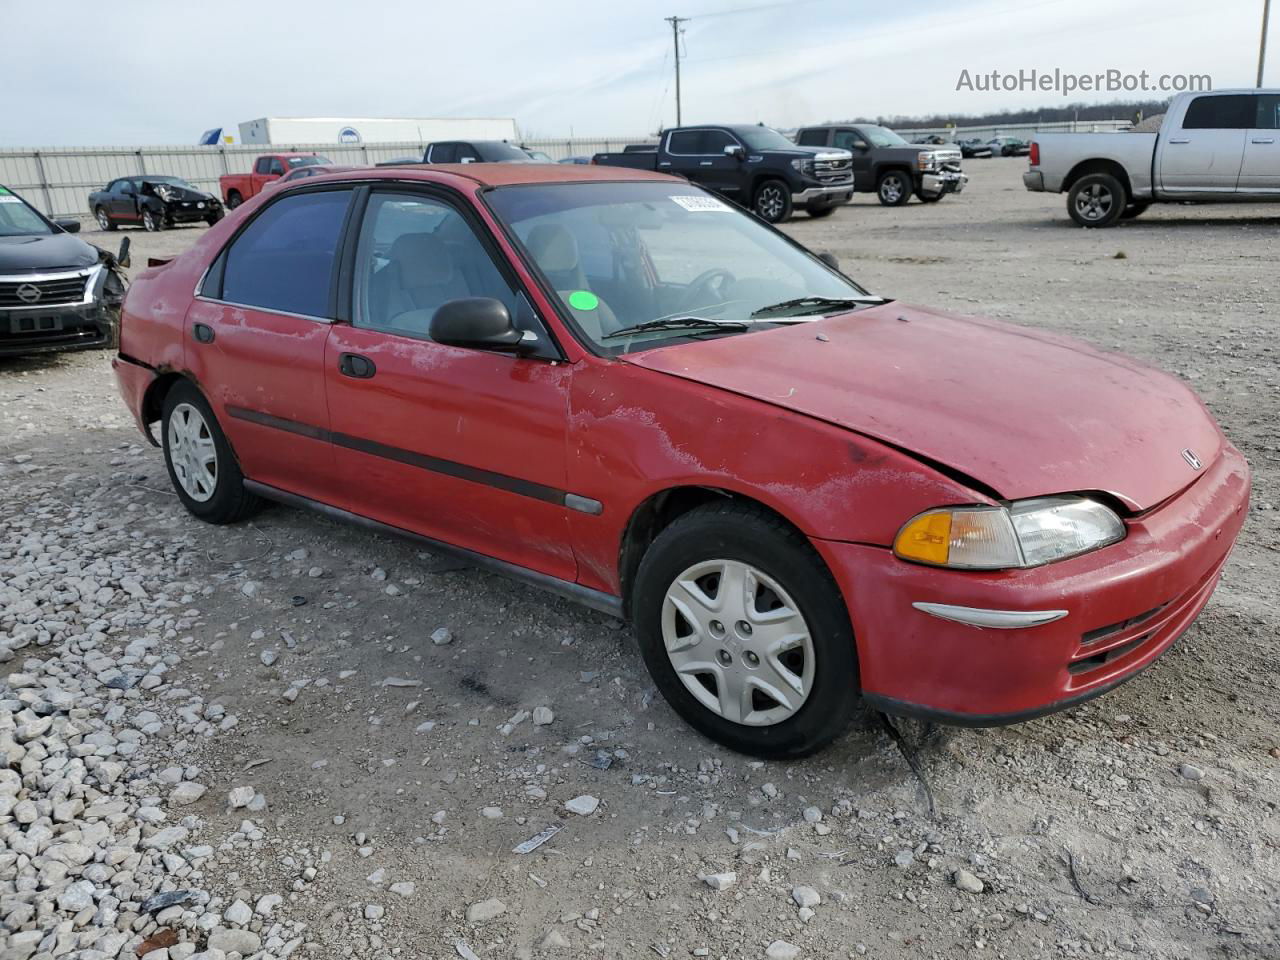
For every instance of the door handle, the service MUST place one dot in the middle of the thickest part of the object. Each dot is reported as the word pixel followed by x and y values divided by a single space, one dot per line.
pixel 354 365
pixel 1272 140
pixel 202 332
pixel 705 163
pixel 1179 141
pixel 664 163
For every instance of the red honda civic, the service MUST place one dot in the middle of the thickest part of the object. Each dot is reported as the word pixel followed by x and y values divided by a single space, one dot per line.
pixel 616 386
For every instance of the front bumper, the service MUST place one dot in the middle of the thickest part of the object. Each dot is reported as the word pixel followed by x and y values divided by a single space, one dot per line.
pixel 1033 180
pixel 87 324
pixel 187 211
pixel 1122 607
pixel 824 195
pixel 948 181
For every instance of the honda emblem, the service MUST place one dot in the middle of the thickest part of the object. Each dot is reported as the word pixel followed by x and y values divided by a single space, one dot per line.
pixel 1192 460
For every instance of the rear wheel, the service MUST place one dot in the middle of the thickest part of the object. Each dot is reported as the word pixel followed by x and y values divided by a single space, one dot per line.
pixel 772 202
pixel 894 188
pixel 234 199
pixel 213 218
pixel 104 221
pixel 745 632
pixel 202 468
pixel 1134 210
pixel 1097 200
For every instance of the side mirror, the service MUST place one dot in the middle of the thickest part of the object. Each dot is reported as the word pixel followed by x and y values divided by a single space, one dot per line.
pixel 70 226
pixel 479 322
pixel 830 260
pixel 122 258
pixel 735 150
pixel 860 145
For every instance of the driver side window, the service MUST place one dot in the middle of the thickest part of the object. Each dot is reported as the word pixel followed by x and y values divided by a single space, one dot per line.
pixel 414 254
pixel 845 139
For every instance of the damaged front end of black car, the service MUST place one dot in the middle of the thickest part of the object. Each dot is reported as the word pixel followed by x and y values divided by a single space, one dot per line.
pixel 57 292
pixel 178 202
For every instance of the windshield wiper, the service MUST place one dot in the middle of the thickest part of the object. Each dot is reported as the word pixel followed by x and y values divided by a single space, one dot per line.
pixel 820 302
pixel 679 323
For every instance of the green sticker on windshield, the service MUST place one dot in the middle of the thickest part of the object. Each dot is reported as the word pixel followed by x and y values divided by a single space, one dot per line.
pixel 583 300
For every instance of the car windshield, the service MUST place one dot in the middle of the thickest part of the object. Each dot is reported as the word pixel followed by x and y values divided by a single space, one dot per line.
pixel 305 161
pixel 763 138
pixel 882 137
pixel 621 255
pixel 19 220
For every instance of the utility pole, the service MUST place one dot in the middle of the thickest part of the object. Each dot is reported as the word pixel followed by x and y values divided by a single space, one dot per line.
pixel 675 36
pixel 1262 44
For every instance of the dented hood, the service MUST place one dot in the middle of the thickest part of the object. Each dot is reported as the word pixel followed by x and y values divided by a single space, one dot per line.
pixel 1023 412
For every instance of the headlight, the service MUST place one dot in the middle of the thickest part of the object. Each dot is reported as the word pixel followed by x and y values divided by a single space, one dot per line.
pixel 803 166
pixel 165 193
pixel 926 160
pixel 1027 533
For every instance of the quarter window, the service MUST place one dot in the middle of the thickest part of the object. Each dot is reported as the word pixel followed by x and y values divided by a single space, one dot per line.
pixel 284 259
pixel 416 253
pixel 1228 112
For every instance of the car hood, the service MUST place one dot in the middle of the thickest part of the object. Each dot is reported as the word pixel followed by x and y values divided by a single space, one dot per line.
pixel 1022 412
pixel 58 250
pixel 180 193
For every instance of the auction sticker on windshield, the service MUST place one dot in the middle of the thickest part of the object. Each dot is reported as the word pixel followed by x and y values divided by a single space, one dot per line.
pixel 701 204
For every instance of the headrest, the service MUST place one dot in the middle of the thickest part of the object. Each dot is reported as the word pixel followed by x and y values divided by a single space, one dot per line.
pixel 423 259
pixel 553 248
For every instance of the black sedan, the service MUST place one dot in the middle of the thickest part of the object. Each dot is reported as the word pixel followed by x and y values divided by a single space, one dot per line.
pixel 974 148
pixel 56 291
pixel 152 202
pixel 1009 146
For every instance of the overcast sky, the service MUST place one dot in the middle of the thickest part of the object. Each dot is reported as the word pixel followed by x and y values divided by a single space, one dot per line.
pixel 161 71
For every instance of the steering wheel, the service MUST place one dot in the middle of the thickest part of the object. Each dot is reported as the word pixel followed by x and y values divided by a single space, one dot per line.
pixel 704 289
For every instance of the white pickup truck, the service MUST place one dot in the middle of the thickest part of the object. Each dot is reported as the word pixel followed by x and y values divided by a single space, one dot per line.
pixel 1212 148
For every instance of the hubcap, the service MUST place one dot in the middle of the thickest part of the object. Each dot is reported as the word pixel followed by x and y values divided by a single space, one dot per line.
pixel 103 222
pixel 148 220
pixel 193 453
pixel 891 189
pixel 1094 202
pixel 738 642
pixel 770 203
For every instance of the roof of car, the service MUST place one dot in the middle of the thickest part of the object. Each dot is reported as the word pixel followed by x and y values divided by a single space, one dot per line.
pixel 505 174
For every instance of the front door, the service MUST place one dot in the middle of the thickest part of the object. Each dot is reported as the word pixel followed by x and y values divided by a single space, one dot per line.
pixel 718 171
pixel 1204 156
pixel 255 340
pixel 848 138
pixel 266 170
pixel 124 201
pixel 460 445
pixel 1260 171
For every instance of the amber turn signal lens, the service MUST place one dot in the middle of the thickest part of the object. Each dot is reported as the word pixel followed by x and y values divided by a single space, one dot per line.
pixel 927 539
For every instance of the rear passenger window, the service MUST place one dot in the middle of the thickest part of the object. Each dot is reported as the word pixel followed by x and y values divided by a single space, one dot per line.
pixel 685 141
pixel 1228 112
pixel 443 153
pixel 284 259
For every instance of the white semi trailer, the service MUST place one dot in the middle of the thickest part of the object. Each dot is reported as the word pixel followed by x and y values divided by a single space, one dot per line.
pixel 288 130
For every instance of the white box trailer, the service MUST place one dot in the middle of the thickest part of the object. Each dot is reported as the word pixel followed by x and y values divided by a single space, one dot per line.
pixel 286 130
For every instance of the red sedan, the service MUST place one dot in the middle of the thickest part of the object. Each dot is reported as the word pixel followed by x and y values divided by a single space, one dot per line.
pixel 616 386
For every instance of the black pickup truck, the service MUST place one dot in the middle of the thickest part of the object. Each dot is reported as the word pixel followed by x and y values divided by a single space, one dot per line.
pixel 753 166
pixel 889 166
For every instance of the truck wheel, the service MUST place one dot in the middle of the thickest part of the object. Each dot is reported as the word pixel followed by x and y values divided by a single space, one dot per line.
pixel 202 468
pixel 925 198
pixel 772 202
pixel 894 188
pixel 104 222
pixel 1097 200
pixel 819 212
pixel 1134 210
pixel 745 632
pixel 234 199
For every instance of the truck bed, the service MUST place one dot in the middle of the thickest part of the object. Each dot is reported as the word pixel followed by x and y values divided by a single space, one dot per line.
pixel 635 159
pixel 1060 153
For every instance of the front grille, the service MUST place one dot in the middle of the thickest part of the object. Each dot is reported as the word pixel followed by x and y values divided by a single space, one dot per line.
pixel 52 290
pixel 949 159
pixel 833 171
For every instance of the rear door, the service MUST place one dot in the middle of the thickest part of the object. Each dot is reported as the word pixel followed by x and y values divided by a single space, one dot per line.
pixel 442 152
pixel 464 446
pixel 255 338
pixel 1260 171
pixel 1204 154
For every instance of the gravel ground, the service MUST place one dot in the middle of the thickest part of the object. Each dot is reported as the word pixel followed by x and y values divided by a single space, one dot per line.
pixel 293 737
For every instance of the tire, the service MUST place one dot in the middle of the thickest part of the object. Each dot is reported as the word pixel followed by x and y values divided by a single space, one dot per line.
pixel 894 188
pixel 234 199
pixel 772 202
pixel 191 435
pixel 702 548
pixel 1134 210
pixel 213 218
pixel 925 198
pixel 104 221
pixel 819 212
pixel 1097 200
pixel 151 222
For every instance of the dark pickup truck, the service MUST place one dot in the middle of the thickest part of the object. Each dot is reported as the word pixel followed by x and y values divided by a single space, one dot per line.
pixel 889 166
pixel 754 166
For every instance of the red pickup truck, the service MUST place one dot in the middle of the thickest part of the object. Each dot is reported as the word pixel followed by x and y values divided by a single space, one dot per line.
pixel 239 187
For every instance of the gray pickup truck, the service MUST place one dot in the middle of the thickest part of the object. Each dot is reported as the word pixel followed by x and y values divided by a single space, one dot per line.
pixel 1215 147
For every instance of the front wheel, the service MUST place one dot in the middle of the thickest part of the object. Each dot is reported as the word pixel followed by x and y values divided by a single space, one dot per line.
pixel 152 222
pixel 1097 200
pixel 202 468
pixel 213 218
pixel 745 632
pixel 929 198
pixel 819 212
pixel 894 188
pixel 772 202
